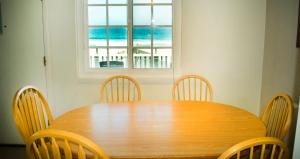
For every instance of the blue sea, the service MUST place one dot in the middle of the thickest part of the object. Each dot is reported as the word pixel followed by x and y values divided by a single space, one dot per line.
pixel 164 34
pixel 141 38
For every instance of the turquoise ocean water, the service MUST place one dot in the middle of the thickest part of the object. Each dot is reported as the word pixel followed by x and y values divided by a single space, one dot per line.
pixel 141 37
pixel 164 34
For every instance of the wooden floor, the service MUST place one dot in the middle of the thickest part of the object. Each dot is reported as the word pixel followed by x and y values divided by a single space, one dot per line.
pixel 12 152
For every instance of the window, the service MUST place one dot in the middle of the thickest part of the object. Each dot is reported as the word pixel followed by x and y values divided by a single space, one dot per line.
pixel 130 34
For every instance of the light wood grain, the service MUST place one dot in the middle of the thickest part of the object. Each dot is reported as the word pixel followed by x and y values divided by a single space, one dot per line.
pixel 263 147
pixel 113 90
pixel 192 88
pixel 278 115
pixel 162 129
pixel 57 144
pixel 30 111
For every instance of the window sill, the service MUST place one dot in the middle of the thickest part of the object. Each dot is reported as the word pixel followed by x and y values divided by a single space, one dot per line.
pixel 143 76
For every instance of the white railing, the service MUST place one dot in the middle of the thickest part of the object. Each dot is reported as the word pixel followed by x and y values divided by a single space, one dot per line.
pixel 139 61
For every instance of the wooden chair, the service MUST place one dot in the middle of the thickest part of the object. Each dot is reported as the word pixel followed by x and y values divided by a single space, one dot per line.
pixel 57 144
pixel 31 111
pixel 263 148
pixel 278 115
pixel 192 88
pixel 120 89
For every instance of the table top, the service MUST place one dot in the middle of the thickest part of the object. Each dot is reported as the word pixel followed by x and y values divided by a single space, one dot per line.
pixel 162 129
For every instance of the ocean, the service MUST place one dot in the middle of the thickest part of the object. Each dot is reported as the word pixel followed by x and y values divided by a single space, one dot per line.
pixel 159 34
pixel 162 37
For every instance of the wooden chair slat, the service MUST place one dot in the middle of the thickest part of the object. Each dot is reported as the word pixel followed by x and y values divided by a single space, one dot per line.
pixel 44 149
pixel 251 151
pixel 35 112
pixel 107 99
pixel 31 114
pixel 129 91
pixel 123 90
pixel 117 83
pixel 41 112
pixel 81 153
pixel 55 149
pixel 24 123
pixel 36 153
pixel 178 93
pixel 195 89
pixel 206 94
pixel 183 90
pixel 273 151
pixel 189 88
pixel 263 150
pixel 281 153
pixel 27 114
pixel 111 91
pixel 67 149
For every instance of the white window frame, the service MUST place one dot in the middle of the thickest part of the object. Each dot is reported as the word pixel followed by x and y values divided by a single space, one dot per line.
pixel 144 75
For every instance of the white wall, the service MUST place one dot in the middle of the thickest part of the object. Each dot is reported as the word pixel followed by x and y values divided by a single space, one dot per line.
pixel 222 40
pixel 281 72
pixel 281 60
pixel 21 54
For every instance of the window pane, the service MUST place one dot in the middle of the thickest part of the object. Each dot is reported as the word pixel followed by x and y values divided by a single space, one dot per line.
pixel 118 36
pixel 162 1
pixel 117 1
pixel 97 15
pixel 141 1
pixel 118 58
pixel 162 58
pixel 142 58
pixel 141 15
pixel 162 36
pixel 97 37
pixel 117 15
pixel 96 1
pixel 141 37
pixel 162 15
pixel 97 56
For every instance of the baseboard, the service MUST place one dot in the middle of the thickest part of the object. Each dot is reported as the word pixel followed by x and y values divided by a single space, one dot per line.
pixel 12 145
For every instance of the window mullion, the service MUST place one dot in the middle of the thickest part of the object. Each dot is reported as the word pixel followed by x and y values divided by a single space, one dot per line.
pixel 130 34
pixel 152 35
pixel 107 35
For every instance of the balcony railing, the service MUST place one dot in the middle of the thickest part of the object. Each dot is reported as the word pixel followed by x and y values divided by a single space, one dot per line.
pixel 139 61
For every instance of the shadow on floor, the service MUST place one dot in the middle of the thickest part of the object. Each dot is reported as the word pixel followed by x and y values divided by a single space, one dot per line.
pixel 13 152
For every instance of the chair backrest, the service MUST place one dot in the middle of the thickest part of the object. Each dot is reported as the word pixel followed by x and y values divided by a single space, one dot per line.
pixel 57 144
pixel 31 111
pixel 120 89
pixel 192 88
pixel 264 148
pixel 278 115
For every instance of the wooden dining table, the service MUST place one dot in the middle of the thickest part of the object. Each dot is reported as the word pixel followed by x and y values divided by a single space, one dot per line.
pixel 139 130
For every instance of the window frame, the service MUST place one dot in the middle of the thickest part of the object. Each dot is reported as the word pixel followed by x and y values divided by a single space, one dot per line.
pixel 145 75
pixel 107 26
pixel 152 27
